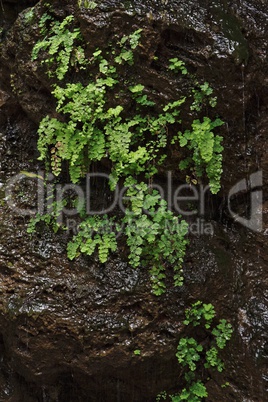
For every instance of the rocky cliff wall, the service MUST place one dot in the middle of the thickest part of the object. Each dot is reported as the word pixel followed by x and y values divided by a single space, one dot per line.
pixel 68 330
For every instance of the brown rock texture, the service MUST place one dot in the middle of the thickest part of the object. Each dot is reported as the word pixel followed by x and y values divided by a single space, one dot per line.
pixel 68 330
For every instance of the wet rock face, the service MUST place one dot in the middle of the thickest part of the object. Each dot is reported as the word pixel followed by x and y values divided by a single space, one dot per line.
pixel 69 330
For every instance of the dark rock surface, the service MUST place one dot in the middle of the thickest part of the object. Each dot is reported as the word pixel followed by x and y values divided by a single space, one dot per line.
pixel 68 330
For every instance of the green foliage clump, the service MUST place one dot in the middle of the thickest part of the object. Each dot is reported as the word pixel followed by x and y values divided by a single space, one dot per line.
pixel 178 65
pixel 29 15
pixel 90 5
pixel 200 311
pixel 95 233
pixel 156 238
pixel 60 43
pixel 201 94
pixel 52 218
pixel 92 122
pixel 207 150
pixel 196 392
pixel 188 352
pixel 199 357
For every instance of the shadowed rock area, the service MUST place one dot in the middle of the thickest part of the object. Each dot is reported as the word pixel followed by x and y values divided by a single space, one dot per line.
pixel 68 330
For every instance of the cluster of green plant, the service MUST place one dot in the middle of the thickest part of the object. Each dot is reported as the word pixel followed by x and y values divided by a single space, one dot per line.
pixel 90 5
pixel 198 357
pixel 29 15
pixel 61 43
pixel 93 124
pixel 207 150
pixel 202 93
pixel 95 233
pixel 52 218
pixel 178 65
pixel 155 237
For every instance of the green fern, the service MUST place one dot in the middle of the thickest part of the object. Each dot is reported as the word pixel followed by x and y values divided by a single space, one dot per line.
pixel 94 233
pixel 206 148
pixel 196 357
pixel 92 124
pixel 59 45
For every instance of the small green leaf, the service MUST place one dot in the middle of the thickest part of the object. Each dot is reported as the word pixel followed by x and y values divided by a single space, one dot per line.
pixel 137 88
